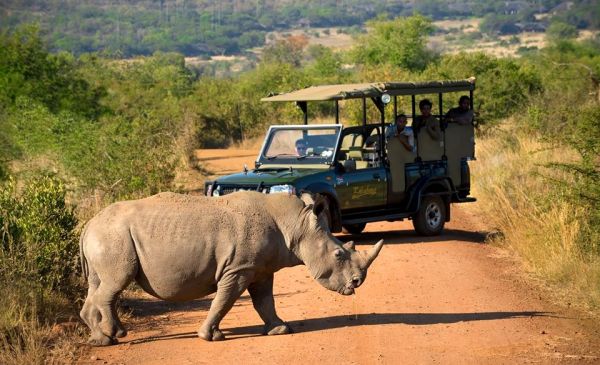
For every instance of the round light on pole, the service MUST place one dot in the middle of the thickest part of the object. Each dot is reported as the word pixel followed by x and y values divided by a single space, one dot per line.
pixel 386 98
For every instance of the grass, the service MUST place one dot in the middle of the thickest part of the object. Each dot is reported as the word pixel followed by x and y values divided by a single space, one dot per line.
pixel 519 197
pixel 37 328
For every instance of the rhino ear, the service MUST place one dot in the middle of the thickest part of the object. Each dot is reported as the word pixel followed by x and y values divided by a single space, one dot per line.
pixel 307 198
pixel 319 205
pixel 349 245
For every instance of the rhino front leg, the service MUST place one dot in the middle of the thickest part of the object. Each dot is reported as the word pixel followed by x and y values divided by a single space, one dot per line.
pixel 264 303
pixel 229 289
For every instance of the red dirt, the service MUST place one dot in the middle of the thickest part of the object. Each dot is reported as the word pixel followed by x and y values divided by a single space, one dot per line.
pixel 448 299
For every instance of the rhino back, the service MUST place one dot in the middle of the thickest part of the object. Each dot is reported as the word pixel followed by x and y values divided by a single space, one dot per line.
pixel 185 244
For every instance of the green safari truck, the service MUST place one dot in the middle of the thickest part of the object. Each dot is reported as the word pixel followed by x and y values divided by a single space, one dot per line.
pixel 365 176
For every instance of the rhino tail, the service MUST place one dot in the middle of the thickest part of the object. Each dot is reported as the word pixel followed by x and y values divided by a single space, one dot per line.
pixel 84 266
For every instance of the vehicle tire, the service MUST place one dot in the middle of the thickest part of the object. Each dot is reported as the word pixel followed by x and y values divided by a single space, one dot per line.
pixel 353 228
pixel 431 217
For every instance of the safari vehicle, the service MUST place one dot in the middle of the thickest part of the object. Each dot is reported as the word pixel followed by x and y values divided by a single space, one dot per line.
pixel 364 177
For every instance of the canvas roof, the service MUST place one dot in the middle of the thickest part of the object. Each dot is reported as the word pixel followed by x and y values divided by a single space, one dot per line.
pixel 376 89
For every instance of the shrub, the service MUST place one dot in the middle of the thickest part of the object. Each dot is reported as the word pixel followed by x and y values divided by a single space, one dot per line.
pixel 38 234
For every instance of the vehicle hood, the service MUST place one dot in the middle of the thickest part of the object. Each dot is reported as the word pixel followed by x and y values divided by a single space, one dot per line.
pixel 268 176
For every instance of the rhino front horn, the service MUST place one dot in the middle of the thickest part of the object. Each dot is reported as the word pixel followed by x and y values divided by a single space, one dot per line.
pixel 372 253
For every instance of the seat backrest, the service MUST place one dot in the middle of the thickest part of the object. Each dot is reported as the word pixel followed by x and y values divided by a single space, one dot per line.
pixel 361 165
pixel 355 153
pixel 351 140
pixel 398 157
pixel 429 149
pixel 460 144
pixel 460 141
pixel 372 141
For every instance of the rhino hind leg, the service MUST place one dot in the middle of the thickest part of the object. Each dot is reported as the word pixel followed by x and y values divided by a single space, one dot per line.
pixel 91 315
pixel 107 279
pixel 262 298
pixel 229 289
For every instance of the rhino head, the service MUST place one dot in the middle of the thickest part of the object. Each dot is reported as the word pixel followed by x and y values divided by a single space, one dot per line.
pixel 335 265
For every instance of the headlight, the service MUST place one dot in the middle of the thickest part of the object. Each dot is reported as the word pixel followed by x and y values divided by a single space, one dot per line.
pixel 282 189
pixel 209 190
pixel 217 191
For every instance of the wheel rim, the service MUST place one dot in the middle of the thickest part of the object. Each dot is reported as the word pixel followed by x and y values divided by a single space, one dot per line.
pixel 433 215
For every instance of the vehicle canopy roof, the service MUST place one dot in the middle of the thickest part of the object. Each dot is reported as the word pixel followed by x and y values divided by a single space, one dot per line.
pixel 373 90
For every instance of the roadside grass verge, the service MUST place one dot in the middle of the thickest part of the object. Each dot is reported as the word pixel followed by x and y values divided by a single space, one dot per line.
pixel 529 203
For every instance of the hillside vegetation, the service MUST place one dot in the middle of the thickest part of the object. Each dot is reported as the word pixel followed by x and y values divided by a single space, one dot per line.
pixel 204 28
pixel 79 132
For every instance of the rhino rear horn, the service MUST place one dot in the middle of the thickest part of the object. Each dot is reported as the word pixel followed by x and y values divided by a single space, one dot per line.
pixel 349 245
pixel 372 253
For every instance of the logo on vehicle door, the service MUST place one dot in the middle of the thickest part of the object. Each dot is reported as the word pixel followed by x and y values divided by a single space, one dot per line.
pixel 362 191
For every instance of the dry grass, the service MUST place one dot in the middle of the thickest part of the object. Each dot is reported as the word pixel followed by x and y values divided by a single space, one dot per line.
pixel 26 340
pixel 328 37
pixel 519 198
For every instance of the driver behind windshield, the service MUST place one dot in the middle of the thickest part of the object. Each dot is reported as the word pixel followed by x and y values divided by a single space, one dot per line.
pixel 301 147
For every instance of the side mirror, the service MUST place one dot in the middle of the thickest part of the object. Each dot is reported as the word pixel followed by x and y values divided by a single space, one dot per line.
pixel 349 165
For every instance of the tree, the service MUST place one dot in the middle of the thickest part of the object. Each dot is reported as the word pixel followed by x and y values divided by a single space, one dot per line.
pixel 288 50
pixel 400 42
pixel 560 31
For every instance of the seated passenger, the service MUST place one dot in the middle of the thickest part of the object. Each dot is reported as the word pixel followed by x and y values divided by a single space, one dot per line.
pixel 462 114
pixel 427 121
pixel 403 133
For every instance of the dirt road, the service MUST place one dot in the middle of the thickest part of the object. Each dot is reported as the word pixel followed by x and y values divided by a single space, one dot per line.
pixel 450 299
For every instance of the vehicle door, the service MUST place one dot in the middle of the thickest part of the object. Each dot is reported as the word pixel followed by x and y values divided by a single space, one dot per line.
pixel 364 187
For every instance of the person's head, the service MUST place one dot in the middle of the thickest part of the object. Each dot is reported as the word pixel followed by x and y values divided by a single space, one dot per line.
pixel 464 102
pixel 425 107
pixel 301 147
pixel 401 121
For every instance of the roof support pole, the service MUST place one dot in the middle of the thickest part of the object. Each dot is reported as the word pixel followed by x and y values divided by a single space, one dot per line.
pixel 364 102
pixel 304 106
pixel 413 101
pixel 442 122
pixel 471 98
pixel 337 112
pixel 381 107
pixel 395 106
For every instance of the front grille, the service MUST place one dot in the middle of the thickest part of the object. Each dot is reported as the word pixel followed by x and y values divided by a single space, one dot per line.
pixel 224 190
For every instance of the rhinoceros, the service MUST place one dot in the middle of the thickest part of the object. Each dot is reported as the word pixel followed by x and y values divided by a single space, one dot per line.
pixel 182 247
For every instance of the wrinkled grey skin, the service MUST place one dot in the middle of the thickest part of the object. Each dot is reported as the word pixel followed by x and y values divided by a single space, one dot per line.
pixel 181 247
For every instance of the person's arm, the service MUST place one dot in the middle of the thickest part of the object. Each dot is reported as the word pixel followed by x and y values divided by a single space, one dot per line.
pixel 433 129
pixel 465 119
pixel 404 140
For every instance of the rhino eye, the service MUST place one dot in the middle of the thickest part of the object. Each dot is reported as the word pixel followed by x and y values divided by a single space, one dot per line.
pixel 339 253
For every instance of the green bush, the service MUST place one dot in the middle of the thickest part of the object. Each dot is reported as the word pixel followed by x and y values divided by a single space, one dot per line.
pixel 399 42
pixel 38 234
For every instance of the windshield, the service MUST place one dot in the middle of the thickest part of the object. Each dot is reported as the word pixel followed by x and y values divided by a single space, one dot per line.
pixel 300 145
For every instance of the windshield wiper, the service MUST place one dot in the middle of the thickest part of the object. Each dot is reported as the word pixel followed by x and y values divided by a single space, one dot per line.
pixel 301 157
pixel 279 155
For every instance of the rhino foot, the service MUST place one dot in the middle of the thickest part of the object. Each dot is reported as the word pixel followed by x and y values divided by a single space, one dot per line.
pixel 101 340
pixel 216 335
pixel 282 329
pixel 121 332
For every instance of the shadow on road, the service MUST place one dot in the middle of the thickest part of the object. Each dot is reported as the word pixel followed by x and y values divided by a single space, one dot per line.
pixel 319 324
pixel 147 307
pixel 410 237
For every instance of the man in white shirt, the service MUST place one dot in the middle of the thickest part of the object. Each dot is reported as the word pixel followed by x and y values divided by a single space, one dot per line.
pixel 404 134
